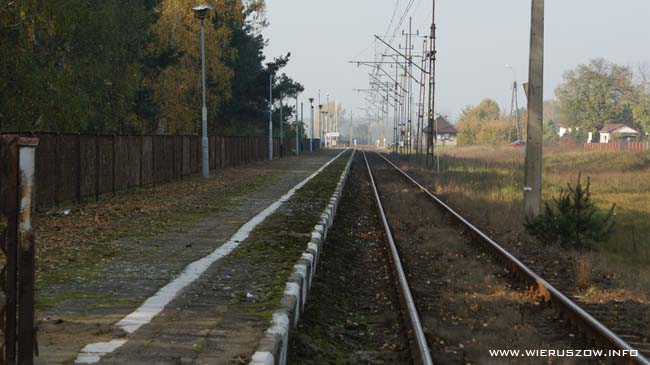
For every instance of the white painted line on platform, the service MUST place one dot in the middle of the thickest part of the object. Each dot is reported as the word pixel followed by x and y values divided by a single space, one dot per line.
pixel 155 304
pixel 92 353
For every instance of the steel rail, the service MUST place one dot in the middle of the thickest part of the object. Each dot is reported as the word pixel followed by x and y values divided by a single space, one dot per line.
pixel 549 292
pixel 421 346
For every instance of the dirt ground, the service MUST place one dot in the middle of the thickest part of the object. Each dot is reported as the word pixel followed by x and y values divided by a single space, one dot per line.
pixel 467 303
pixel 352 315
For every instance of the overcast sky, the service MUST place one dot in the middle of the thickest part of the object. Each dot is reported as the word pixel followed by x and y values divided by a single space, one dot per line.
pixel 476 39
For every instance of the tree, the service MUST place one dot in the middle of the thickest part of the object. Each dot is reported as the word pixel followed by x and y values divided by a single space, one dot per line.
pixel 487 109
pixel 552 111
pixel 177 88
pixel 573 220
pixel 247 111
pixel 121 66
pixel 595 94
pixel 482 124
pixel 641 106
pixel 71 66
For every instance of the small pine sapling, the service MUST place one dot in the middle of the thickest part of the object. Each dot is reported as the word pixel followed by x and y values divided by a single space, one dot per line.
pixel 573 220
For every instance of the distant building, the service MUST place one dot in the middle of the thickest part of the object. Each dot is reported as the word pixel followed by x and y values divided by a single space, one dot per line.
pixel 445 132
pixel 618 133
pixel 563 130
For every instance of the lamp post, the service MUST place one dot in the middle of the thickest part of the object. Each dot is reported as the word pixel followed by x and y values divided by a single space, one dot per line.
pixel 311 136
pixel 327 120
pixel 281 125
pixel 201 12
pixel 324 132
pixel 271 68
pixel 320 126
pixel 296 128
pixel 301 125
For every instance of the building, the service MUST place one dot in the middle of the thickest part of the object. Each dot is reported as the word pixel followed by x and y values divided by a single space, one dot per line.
pixel 618 133
pixel 564 130
pixel 445 132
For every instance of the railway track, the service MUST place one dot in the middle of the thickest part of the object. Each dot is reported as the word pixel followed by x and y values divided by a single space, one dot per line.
pixel 427 303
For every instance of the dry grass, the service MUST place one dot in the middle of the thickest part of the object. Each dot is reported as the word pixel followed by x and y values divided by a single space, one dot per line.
pixel 485 184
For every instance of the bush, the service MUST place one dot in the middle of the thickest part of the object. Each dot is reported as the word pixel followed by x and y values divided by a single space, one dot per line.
pixel 573 221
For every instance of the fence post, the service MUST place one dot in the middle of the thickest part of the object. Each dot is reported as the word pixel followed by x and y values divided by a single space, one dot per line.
pixel 26 267
pixel 10 246
pixel 97 170
pixel 182 155
pixel 114 162
pixel 173 158
pixel 141 182
pixel 57 169
pixel 153 160
pixel 78 187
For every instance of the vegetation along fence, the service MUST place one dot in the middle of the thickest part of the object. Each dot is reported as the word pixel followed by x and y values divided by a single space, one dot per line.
pixel 73 167
pixel 618 146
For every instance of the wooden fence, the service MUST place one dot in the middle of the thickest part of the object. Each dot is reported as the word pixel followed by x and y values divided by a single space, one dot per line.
pixel 73 167
pixel 618 146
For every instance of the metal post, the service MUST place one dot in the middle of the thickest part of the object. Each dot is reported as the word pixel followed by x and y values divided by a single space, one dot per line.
pixel 328 114
pixel 533 168
pixel 204 112
pixel 432 83
pixel 270 114
pixel 320 125
pixel 351 121
pixel 26 251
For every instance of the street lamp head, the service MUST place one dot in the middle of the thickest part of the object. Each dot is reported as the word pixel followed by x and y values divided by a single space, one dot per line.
pixel 320 106
pixel 311 100
pixel 201 11
pixel 272 66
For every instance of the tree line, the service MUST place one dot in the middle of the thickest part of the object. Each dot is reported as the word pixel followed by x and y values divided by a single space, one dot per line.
pixel 131 67
pixel 590 96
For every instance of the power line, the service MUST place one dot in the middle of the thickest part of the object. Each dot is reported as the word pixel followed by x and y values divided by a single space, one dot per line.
pixel 392 19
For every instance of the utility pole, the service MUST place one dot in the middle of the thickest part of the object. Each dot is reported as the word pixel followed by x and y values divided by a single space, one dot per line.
pixel 351 121
pixel 533 173
pixel 408 121
pixel 421 99
pixel 514 107
pixel 432 84
pixel 395 114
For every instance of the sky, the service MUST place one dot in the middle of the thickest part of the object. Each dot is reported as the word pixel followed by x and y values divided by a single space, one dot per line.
pixel 476 39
